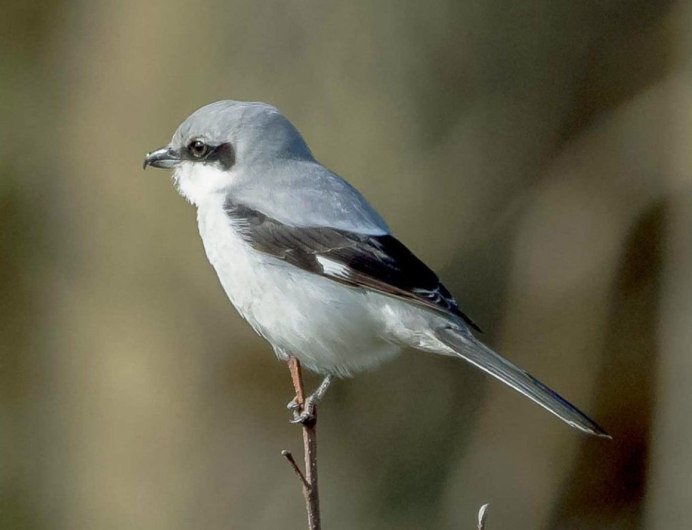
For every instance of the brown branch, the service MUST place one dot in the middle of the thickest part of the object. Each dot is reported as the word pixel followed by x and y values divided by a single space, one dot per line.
pixel 288 456
pixel 309 479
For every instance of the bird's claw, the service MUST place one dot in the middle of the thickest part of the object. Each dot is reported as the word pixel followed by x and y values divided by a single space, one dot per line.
pixel 304 414
pixel 293 405
pixel 305 417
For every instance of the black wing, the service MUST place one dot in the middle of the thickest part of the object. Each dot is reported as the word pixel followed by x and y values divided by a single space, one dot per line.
pixel 379 263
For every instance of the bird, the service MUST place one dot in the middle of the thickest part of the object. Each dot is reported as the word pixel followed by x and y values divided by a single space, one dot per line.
pixel 311 265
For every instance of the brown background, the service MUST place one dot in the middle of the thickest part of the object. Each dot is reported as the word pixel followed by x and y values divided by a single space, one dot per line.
pixel 536 153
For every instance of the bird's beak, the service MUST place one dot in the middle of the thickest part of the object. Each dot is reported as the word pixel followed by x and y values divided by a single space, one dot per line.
pixel 165 158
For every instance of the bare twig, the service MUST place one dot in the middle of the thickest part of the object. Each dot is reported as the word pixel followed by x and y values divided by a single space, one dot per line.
pixel 482 516
pixel 288 456
pixel 309 479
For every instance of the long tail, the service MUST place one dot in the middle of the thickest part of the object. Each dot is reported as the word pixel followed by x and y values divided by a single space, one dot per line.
pixel 473 351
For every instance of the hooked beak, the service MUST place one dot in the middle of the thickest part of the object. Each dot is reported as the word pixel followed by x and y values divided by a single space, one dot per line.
pixel 164 158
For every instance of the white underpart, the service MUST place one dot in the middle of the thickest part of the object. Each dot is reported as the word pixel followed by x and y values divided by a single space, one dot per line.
pixel 329 327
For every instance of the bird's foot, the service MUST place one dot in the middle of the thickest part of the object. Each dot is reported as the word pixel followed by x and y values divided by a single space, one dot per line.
pixel 305 413
pixel 301 414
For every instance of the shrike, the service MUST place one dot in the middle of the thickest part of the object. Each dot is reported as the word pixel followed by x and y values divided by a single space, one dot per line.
pixel 310 264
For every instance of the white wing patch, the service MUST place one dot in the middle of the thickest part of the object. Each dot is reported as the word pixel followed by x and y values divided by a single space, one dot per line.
pixel 333 268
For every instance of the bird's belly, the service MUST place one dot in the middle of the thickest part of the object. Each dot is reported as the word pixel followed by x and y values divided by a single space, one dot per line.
pixel 329 327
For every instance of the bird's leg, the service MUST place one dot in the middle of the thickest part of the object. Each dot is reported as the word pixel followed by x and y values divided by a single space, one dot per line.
pixel 306 413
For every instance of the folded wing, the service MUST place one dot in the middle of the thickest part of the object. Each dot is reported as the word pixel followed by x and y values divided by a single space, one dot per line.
pixel 377 262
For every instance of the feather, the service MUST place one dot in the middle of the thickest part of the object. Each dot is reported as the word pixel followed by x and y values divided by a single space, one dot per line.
pixel 377 262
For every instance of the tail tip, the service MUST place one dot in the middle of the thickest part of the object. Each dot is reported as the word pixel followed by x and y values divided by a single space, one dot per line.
pixel 593 429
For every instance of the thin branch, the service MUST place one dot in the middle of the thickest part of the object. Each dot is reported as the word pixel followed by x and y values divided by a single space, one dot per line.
pixel 482 516
pixel 309 479
pixel 288 456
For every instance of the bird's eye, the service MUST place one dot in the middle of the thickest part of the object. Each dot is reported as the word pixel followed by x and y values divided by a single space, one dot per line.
pixel 198 148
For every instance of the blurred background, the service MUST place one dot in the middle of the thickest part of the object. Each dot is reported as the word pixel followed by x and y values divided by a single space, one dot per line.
pixel 535 153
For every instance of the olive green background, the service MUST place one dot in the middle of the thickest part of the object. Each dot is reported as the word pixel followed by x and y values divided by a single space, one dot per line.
pixel 536 153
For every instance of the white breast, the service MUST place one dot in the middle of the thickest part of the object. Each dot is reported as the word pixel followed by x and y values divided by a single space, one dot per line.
pixel 329 327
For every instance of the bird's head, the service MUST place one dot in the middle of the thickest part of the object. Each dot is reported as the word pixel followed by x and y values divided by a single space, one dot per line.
pixel 224 141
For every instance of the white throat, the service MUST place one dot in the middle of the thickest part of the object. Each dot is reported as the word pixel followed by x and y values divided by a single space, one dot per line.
pixel 196 182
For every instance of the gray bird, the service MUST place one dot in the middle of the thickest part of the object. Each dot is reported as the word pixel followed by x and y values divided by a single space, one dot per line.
pixel 310 264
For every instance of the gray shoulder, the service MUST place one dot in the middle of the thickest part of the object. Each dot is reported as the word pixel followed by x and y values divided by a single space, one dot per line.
pixel 304 193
